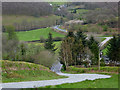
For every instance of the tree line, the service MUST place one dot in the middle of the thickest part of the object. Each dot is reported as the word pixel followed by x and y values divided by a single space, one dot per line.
pixel 26 25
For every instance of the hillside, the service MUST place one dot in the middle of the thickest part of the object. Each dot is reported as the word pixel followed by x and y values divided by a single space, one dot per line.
pixel 16 71
pixel 27 22
pixel 26 8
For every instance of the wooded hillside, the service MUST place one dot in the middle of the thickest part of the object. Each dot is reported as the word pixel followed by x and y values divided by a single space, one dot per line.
pixel 26 8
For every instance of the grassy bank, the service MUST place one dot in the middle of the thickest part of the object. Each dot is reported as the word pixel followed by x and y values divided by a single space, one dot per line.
pixel 17 71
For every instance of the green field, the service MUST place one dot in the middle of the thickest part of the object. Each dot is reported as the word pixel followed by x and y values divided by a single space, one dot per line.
pixel 106 36
pixel 16 71
pixel 36 34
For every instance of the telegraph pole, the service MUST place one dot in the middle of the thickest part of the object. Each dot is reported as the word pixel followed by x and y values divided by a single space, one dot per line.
pixel 99 60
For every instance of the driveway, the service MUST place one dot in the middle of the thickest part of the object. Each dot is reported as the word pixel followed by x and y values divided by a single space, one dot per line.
pixel 72 78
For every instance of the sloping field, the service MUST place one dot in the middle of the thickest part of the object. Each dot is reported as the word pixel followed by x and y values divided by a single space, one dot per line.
pixel 16 71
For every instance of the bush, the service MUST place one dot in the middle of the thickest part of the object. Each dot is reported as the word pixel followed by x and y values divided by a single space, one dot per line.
pixel 45 58
pixel 42 39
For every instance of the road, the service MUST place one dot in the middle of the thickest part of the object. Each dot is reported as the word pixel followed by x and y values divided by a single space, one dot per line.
pixel 103 42
pixel 57 27
pixel 72 79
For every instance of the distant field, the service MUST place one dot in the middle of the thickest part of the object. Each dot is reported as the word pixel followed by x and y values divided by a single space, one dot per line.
pixel 36 34
pixel 106 36
pixel 82 11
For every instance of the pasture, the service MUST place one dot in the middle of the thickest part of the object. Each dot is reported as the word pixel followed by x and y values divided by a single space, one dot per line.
pixel 36 34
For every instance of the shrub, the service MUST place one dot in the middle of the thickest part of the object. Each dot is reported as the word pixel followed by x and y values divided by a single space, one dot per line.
pixel 42 39
pixel 45 58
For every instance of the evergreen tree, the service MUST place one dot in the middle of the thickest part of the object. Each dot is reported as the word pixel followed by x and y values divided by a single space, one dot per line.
pixel 70 34
pixel 113 51
pixel 91 41
pixel 78 51
pixel 80 35
pixel 93 46
pixel 23 49
pixel 95 51
pixel 118 46
pixel 49 43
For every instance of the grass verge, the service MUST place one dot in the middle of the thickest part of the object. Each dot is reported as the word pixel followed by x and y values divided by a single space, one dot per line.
pixel 72 69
